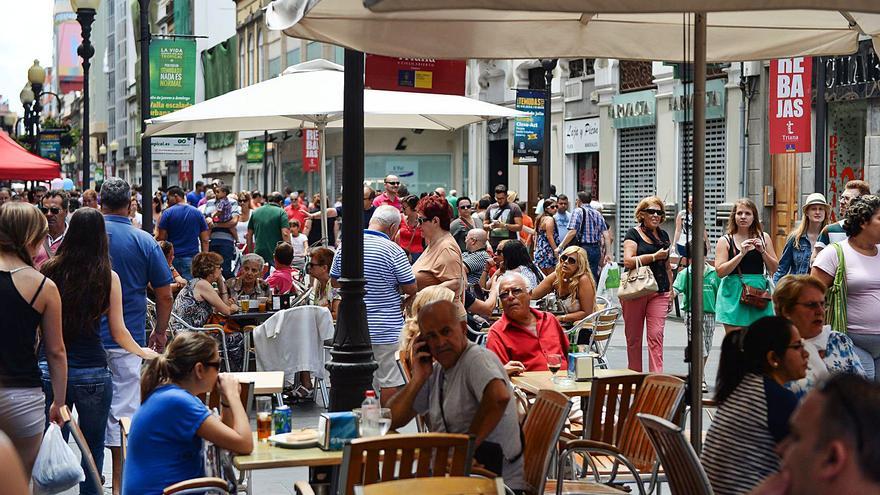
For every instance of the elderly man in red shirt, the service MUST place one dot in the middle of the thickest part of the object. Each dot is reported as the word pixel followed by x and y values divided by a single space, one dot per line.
pixel 524 336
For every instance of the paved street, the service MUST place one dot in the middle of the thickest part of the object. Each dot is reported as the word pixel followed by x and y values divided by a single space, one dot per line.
pixel 280 481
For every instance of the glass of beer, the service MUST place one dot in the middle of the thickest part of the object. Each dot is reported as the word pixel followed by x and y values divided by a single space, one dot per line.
pixel 262 304
pixel 264 418
pixel 245 303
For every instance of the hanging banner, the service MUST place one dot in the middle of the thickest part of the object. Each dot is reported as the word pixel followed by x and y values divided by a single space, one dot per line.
pixel 50 145
pixel 184 173
pixel 420 75
pixel 528 132
pixel 173 148
pixel 256 150
pixel 311 151
pixel 172 75
pixel 790 104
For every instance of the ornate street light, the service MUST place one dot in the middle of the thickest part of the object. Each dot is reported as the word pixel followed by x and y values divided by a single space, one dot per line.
pixel 27 99
pixel 9 120
pixel 114 147
pixel 85 15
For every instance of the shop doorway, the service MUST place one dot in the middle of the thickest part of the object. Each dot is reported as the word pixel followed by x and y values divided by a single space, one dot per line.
pixel 785 210
pixel 498 164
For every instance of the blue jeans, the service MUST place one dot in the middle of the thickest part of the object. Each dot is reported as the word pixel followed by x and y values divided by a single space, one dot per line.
pixel 90 391
pixel 225 248
pixel 183 266
pixel 867 347
pixel 594 252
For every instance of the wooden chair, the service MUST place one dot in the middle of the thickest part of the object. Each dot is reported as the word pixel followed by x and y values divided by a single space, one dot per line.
pixel 80 440
pixel 684 472
pixel 406 373
pixel 659 395
pixel 246 394
pixel 198 486
pixel 366 461
pixel 452 485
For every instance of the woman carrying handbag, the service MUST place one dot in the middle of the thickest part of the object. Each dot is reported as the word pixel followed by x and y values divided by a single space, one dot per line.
pixel 742 256
pixel 646 246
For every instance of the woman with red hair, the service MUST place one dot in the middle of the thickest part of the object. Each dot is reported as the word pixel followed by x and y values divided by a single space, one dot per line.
pixel 440 263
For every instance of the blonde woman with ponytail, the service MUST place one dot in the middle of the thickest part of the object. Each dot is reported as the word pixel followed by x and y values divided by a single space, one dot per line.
pixel 31 315
pixel 410 330
pixel 165 443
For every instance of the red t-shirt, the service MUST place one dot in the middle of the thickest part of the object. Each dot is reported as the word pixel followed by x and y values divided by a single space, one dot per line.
pixel 410 239
pixel 512 342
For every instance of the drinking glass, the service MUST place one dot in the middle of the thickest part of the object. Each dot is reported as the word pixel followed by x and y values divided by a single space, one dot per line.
pixel 554 362
pixel 264 418
pixel 384 420
pixel 244 302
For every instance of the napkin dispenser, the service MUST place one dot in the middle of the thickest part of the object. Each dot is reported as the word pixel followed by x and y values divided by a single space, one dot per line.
pixel 581 365
pixel 335 429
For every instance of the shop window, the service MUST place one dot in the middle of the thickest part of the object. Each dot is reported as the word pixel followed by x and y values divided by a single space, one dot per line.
pixel 536 78
pixel 580 67
pixel 420 173
pixel 339 55
pixel 588 173
pixel 274 67
pixel 314 50
pixel 293 57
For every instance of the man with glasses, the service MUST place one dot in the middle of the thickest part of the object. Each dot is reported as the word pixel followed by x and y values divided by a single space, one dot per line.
pixel 460 227
pixel 833 232
pixel 524 336
pixel 391 195
pixel 503 219
pixel 834 444
pixel 54 206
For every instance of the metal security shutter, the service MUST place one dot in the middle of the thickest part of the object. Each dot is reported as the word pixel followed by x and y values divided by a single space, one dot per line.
pixel 637 160
pixel 715 171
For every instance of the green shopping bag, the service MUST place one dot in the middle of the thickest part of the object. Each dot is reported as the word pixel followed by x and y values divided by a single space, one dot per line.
pixel 612 279
pixel 835 298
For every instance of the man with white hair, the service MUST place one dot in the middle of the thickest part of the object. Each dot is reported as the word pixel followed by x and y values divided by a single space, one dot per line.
pixel 524 336
pixel 386 269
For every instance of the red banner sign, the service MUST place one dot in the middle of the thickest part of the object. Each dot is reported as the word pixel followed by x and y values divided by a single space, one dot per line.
pixel 311 150
pixel 420 75
pixel 790 100
pixel 184 173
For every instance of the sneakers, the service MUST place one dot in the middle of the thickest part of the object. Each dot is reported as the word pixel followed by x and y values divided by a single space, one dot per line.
pixel 705 387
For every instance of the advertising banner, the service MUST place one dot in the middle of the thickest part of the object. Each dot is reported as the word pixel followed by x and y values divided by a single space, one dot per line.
pixel 256 150
pixel 172 75
pixel 420 75
pixel 582 136
pixel 50 145
pixel 311 151
pixel 528 132
pixel 789 112
pixel 184 173
pixel 173 148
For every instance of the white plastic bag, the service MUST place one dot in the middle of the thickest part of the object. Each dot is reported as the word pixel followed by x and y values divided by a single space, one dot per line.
pixel 57 468
pixel 602 291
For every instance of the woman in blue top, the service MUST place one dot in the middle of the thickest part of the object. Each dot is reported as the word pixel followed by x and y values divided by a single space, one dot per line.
pixel 85 249
pixel 167 432
pixel 795 259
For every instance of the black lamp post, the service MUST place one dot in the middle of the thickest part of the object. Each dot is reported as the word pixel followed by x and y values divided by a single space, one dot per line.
pixel 85 15
pixel 27 102
pixel 549 65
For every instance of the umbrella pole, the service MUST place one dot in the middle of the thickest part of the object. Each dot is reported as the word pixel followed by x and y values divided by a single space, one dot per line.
pixel 266 164
pixel 323 206
pixel 699 213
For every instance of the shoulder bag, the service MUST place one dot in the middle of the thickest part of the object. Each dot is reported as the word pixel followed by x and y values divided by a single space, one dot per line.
pixel 835 298
pixel 752 296
pixel 637 282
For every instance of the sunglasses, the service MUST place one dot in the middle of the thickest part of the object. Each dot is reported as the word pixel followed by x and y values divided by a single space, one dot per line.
pixel 653 211
pixel 551 207
pixel 464 207
pixel 54 209
pixel 514 292
pixel 212 364
pixel 424 219
pixel 392 183
pixel 568 259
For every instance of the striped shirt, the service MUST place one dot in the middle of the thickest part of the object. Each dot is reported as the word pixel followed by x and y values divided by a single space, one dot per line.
pixel 386 267
pixel 475 261
pixel 591 232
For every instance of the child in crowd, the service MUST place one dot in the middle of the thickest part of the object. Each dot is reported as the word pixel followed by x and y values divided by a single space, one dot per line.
pixel 711 282
pixel 168 251
pixel 300 243
pixel 281 279
pixel 223 209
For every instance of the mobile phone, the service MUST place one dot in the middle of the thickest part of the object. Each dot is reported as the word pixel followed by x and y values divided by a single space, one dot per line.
pixel 425 348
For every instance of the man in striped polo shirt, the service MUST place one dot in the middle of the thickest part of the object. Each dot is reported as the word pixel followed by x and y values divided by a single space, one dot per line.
pixel 387 272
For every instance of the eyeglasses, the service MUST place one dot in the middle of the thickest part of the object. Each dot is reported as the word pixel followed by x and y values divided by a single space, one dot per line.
pixel 568 259
pixel 464 207
pixel 212 364
pixel 54 209
pixel 653 211
pixel 393 183
pixel 424 219
pixel 512 292
pixel 812 305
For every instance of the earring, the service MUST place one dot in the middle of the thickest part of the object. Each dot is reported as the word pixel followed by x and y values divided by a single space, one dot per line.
pixel 775 365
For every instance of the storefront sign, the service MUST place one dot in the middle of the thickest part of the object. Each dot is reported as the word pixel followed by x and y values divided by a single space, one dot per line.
pixel 420 75
pixel 637 109
pixel 172 75
pixel 528 132
pixel 256 150
pixel 789 113
pixel 853 76
pixel 582 136
pixel 715 100
pixel 173 148
pixel 311 150
pixel 50 145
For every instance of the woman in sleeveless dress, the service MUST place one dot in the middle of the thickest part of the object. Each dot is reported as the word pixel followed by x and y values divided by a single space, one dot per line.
pixel 742 256
pixel 547 238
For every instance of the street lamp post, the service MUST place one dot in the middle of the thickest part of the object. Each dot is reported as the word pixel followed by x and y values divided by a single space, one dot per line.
pixel 114 147
pixel 549 65
pixel 102 157
pixel 27 99
pixel 36 76
pixel 85 15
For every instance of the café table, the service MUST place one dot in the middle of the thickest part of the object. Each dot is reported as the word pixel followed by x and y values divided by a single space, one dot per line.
pixel 267 456
pixel 265 382
pixel 251 317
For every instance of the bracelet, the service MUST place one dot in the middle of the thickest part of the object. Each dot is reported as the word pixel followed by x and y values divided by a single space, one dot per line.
pixel 224 404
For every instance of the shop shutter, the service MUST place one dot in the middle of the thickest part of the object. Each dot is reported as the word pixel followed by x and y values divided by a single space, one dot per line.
pixel 715 171
pixel 637 160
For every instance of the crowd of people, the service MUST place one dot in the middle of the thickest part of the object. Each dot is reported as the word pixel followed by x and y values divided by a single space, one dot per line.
pixel 438 267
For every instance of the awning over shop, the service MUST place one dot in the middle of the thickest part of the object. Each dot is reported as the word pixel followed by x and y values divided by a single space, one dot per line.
pixel 19 164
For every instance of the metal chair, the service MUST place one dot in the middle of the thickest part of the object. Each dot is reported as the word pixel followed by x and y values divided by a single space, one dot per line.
pixel 209 329
pixel 601 326
pixel 684 472
pixel 451 485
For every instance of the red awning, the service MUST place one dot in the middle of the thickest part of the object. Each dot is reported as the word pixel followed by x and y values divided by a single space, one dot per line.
pixel 20 164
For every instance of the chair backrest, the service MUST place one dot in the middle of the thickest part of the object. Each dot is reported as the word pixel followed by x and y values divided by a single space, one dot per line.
pixel 406 373
pixel 683 470
pixel 541 430
pixel 661 396
pixel 603 324
pixel 609 405
pixel 422 455
pixel 451 485
pixel 601 303
pixel 80 440
pixel 246 394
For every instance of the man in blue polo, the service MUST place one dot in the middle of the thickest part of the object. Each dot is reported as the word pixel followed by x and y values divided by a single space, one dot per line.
pixel 196 194
pixel 588 230
pixel 185 227
pixel 386 268
pixel 138 260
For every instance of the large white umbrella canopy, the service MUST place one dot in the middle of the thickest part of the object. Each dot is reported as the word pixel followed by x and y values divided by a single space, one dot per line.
pixel 309 95
pixel 509 29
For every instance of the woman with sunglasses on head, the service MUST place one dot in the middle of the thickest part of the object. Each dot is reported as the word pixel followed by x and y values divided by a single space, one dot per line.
pixel 165 445
pixel 547 238
pixel 753 404
pixel 440 263
pixel 573 284
pixel 647 244
pixel 742 256
pixel 801 299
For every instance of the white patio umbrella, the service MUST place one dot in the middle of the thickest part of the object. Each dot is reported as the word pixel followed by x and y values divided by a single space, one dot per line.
pixel 309 95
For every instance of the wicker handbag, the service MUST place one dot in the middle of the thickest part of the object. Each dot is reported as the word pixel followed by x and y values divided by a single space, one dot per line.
pixel 637 282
